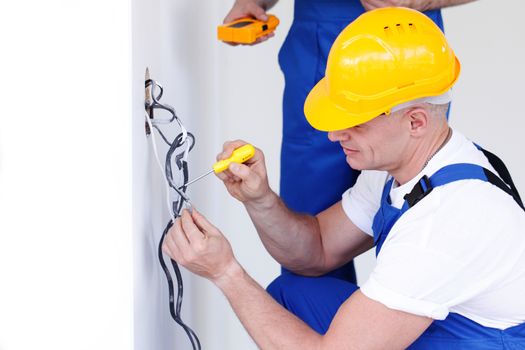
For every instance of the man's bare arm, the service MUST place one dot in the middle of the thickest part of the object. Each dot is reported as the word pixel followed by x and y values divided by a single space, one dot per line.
pixel 305 244
pixel 360 323
pixel 302 243
pixel 420 5
pixel 437 4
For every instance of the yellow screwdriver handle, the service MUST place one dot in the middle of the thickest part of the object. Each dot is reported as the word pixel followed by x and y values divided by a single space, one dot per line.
pixel 240 155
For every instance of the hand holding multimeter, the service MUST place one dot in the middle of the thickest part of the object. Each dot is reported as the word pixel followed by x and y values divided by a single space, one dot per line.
pixel 247 30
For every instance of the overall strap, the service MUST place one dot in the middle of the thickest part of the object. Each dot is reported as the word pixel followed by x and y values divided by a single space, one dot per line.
pixel 504 174
pixel 386 216
pixel 461 171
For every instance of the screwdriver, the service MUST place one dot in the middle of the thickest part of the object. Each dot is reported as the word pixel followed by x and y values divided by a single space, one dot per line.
pixel 239 155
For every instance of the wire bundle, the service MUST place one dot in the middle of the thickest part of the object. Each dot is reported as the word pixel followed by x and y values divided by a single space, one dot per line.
pixel 178 150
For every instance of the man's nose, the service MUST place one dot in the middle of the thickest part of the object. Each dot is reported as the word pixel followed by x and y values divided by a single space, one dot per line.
pixel 336 136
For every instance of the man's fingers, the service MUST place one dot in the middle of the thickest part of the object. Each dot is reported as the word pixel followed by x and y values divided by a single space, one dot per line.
pixel 230 43
pixel 223 176
pixel 228 147
pixel 179 236
pixel 190 229
pixel 263 38
pixel 244 173
pixel 249 10
pixel 202 222
pixel 226 175
pixel 257 12
pixel 175 241
pixel 236 12
pixel 170 248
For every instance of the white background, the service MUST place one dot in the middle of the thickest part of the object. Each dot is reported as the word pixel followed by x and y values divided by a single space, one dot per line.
pixel 81 206
pixel 65 175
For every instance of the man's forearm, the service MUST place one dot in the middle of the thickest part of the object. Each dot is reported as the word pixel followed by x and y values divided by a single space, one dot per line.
pixel 294 240
pixel 267 322
pixel 437 4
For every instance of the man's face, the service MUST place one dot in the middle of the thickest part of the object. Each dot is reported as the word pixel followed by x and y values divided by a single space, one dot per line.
pixel 375 145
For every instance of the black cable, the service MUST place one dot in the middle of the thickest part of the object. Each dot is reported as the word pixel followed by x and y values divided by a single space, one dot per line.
pixel 153 83
pixel 179 141
pixel 175 306
pixel 162 135
pixel 181 163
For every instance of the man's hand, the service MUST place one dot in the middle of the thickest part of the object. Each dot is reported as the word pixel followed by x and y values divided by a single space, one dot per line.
pixel 420 5
pixel 199 246
pixel 246 182
pixel 248 8
pixel 414 4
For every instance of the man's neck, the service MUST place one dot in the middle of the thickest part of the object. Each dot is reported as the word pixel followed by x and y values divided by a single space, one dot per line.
pixel 421 156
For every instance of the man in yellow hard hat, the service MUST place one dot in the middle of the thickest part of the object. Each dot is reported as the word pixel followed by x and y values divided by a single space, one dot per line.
pixel 302 59
pixel 443 214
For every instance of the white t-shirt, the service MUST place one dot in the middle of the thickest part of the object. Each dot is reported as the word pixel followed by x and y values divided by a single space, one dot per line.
pixel 461 249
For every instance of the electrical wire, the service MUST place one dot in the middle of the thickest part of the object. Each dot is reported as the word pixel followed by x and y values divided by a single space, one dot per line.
pixel 175 306
pixel 162 135
pixel 157 159
pixel 186 140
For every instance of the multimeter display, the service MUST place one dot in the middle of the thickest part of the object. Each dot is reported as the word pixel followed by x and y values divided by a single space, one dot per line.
pixel 240 24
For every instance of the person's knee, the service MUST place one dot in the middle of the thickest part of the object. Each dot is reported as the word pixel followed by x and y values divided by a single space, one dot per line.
pixel 289 288
pixel 315 300
pixel 280 287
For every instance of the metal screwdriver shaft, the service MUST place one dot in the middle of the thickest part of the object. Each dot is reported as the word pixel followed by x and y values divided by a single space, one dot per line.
pixel 197 178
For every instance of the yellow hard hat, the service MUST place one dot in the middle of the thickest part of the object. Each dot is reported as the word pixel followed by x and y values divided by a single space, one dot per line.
pixel 385 57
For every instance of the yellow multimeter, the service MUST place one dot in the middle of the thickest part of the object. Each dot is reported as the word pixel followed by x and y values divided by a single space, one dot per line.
pixel 246 30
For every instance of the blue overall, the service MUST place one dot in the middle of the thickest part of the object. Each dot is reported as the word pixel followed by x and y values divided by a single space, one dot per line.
pixel 314 172
pixel 316 300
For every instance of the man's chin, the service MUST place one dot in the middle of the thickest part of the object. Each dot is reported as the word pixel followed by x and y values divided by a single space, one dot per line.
pixel 354 164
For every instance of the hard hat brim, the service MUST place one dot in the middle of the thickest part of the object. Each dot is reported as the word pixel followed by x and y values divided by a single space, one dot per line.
pixel 325 115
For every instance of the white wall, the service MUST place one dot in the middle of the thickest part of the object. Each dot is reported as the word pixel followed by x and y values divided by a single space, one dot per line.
pixel 175 47
pixel 65 176
pixel 488 104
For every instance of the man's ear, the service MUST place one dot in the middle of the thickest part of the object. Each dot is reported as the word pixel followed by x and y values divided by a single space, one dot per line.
pixel 418 119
